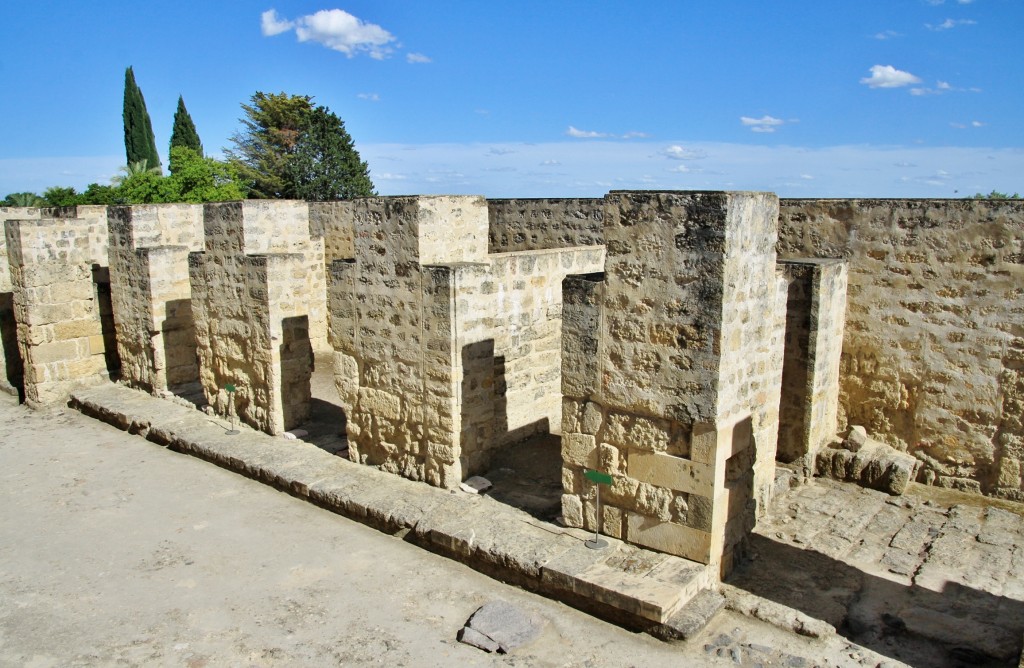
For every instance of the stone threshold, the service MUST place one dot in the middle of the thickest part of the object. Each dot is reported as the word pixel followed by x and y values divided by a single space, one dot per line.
pixel 664 595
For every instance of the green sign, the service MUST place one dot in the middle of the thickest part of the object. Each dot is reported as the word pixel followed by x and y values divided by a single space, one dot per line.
pixel 598 477
pixel 229 387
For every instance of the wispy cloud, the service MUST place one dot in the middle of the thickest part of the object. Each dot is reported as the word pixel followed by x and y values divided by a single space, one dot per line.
pixel 635 135
pixel 417 58
pixel 763 124
pixel 335 29
pixel 887 76
pixel 584 134
pixel 949 24
pixel 677 152
pixel 887 34
pixel 940 88
pixel 964 126
pixel 370 97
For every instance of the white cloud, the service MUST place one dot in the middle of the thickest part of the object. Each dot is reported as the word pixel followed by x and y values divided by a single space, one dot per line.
pixel 763 124
pixel 635 135
pixel 334 28
pixel 949 24
pixel 887 34
pixel 416 58
pixel 887 76
pixel 271 24
pixel 370 97
pixel 584 134
pixel 977 124
pixel 550 163
pixel 676 152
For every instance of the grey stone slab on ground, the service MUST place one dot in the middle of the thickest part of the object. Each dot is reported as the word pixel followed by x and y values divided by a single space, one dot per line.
pixel 502 627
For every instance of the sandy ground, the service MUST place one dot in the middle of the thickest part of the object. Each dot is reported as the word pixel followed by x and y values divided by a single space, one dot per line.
pixel 116 552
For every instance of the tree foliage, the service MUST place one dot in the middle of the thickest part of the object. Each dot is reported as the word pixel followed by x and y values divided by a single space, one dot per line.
pixel 23 199
pixel 139 141
pixel 996 195
pixel 271 128
pixel 184 133
pixel 325 164
pixel 196 178
pixel 289 149
pixel 60 196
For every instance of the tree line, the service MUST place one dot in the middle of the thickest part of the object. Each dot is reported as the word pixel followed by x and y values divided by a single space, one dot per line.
pixel 287 148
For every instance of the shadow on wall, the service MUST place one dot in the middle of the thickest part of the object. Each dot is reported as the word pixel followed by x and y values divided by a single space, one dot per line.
pixel 741 512
pixel 105 308
pixel 959 626
pixel 180 352
pixel 296 370
pixel 524 464
pixel 14 372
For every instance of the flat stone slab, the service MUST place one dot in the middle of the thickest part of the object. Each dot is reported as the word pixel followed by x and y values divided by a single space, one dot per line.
pixel 642 587
pixel 501 627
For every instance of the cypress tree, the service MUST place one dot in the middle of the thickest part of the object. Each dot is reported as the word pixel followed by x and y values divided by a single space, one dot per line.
pixel 184 131
pixel 139 141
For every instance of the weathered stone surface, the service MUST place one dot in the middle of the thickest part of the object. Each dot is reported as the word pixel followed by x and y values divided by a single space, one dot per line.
pixel 872 464
pixel 501 627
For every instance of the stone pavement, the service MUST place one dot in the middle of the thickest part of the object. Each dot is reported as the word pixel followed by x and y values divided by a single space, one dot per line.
pixel 636 588
pixel 933 572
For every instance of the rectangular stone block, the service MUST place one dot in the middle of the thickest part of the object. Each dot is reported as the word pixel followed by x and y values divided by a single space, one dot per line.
pixel 676 473
pixel 668 537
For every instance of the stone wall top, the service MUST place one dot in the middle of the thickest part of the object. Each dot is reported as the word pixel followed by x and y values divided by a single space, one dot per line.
pixel 536 224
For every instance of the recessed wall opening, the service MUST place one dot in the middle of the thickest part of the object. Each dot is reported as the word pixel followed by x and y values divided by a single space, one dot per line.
pixel 105 309
pixel 14 365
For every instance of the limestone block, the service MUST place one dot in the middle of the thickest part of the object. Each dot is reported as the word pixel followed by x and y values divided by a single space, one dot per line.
pixel 668 537
pixel 672 472
pixel 579 450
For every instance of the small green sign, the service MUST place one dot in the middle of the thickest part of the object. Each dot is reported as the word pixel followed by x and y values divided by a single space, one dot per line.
pixel 229 387
pixel 598 477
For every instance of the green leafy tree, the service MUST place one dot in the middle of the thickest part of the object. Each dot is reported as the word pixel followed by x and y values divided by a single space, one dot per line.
pixel 996 195
pixel 134 169
pixel 60 196
pixel 96 193
pixel 23 199
pixel 184 132
pixel 139 141
pixel 145 188
pixel 325 164
pixel 195 178
pixel 272 125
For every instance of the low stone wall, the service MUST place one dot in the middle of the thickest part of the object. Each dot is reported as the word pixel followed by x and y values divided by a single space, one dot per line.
pixel 933 355
pixel 536 224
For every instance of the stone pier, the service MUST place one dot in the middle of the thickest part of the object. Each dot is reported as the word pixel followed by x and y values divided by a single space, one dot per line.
pixel 672 366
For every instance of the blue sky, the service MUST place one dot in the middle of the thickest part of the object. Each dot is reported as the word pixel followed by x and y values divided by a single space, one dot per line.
pixel 835 98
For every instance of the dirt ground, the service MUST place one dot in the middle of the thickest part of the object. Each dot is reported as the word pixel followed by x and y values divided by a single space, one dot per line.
pixel 115 552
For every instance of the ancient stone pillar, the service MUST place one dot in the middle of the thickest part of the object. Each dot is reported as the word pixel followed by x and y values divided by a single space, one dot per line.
pixel 151 294
pixel 258 306
pixel 59 330
pixel 671 372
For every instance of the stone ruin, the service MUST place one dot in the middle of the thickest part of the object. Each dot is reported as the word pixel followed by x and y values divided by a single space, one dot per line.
pixel 686 344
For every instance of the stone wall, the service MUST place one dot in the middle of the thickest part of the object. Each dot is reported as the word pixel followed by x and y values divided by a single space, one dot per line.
pixel 57 265
pixel 259 310
pixel 12 373
pixel 933 355
pixel 152 297
pixel 680 405
pixel 815 318
pixel 445 352
pixel 535 224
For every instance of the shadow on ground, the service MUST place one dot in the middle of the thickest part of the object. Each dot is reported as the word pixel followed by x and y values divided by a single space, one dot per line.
pixel 959 626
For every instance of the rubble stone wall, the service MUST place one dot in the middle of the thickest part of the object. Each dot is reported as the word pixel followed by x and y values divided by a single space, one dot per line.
pixel 12 374
pixel 256 306
pixel 933 355
pixel 536 224
pixel 444 352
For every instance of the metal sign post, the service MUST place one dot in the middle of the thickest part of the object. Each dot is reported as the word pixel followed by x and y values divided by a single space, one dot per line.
pixel 231 408
pixel 598 478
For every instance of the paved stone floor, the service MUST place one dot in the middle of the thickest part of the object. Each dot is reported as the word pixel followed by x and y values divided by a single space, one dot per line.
pixel 118 552
pixel 931 578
